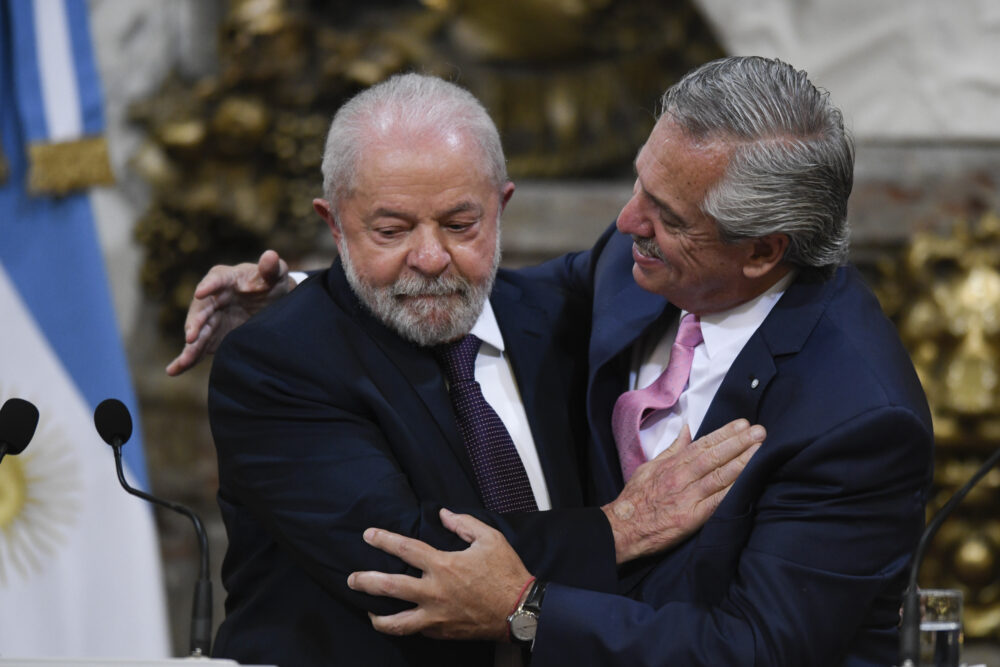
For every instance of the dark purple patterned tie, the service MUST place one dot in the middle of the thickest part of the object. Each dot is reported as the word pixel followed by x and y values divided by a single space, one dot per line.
pixel 503 483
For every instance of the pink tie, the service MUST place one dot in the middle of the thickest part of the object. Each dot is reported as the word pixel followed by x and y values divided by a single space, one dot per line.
pixel 633 408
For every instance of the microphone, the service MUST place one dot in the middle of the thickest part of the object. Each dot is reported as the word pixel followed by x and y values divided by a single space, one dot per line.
pixel 18 419
pixel 114 424
pixel 909 631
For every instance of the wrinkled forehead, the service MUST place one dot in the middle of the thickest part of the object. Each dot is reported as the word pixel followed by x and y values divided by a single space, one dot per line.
pixel 424 177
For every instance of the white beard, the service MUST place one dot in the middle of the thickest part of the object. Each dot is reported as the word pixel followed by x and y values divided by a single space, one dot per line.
pixel 448 310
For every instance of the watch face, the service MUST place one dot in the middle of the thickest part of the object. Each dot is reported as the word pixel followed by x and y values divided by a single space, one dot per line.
pixel 523 625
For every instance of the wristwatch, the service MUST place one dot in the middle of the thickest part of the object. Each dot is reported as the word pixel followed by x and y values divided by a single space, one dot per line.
pixel 523 622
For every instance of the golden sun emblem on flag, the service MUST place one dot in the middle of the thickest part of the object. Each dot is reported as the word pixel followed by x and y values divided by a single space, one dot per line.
pixel 39 500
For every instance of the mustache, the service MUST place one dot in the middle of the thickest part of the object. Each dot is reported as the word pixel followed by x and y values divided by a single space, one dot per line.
pixel 414 285
pixel 647 246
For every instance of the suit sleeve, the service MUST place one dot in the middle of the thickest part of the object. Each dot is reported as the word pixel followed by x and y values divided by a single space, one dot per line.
pixel 831 531
pixel 573 272
pixel 312 474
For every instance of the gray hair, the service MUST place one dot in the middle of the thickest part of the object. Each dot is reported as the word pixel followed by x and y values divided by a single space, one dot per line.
pixel 791 168
pixel 420 105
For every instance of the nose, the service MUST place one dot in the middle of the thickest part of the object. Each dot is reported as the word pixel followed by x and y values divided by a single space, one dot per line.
pixel 428 255
pixel 632 220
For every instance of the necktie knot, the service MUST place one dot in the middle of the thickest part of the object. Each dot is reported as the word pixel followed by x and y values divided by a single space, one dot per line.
pixel 458 358
pixel 689 332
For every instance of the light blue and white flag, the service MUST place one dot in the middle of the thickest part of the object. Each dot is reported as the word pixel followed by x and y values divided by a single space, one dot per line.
pixel 80 571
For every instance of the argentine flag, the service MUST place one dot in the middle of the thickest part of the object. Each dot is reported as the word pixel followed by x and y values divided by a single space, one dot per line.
pixel 80 572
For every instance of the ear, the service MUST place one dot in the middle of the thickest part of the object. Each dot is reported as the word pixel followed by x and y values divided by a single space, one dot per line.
pixel 505 194
pixel 764 254
pixel 325 211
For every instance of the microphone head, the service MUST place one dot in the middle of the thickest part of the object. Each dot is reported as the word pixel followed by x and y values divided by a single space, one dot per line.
pixel 113 421
pixel 18 419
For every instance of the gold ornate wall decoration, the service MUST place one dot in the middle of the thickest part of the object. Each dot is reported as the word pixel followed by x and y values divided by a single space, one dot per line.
pixel 945 296
pixel 233 159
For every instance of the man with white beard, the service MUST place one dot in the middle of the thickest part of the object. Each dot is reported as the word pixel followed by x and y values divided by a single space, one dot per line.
pixel 410 376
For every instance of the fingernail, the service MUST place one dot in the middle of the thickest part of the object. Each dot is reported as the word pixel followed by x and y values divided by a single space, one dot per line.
pixel 368 535
pixel 350 580
pixel 446 512
pixel 758 432
pixel 742 425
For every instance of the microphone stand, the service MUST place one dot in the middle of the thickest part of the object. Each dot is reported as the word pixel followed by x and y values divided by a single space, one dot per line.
pixel 909 632
pixel 201 611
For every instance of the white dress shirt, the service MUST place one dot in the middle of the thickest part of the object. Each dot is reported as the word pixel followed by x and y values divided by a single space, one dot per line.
pixel 495 376
pixel 724 335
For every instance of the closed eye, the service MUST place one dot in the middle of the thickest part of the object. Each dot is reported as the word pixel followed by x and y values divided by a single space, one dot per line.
pixel 460 226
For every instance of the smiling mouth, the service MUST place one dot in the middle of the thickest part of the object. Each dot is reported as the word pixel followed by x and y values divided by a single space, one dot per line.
pixel 646 249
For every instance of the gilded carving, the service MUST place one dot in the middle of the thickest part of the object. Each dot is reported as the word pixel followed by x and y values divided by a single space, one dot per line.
pixel 945 296
pixel 233 159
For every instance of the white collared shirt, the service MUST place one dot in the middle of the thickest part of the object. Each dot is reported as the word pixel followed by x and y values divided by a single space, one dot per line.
pixel 724 336
pixel 496 377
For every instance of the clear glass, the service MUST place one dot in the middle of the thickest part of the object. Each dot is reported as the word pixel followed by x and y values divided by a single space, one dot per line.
pixel 940 627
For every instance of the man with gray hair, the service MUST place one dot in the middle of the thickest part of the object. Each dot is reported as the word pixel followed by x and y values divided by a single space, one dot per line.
pixel 409 376
pixel 735 239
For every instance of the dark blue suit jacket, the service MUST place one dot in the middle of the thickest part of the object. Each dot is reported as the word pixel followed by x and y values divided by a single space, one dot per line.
pixel 326 423
pixel 804 562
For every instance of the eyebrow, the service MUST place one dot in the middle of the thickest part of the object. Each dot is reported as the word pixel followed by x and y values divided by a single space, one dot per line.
pixel 388 213
pixel 463 207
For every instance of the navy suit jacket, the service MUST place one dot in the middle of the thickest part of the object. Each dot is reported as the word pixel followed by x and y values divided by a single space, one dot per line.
pixel 804 561
pixel 327 423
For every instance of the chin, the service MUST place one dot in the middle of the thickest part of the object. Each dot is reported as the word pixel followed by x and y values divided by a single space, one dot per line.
pixel 642 279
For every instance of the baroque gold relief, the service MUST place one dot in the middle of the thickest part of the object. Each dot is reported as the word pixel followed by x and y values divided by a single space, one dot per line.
pixel 233 159
pixel 944 294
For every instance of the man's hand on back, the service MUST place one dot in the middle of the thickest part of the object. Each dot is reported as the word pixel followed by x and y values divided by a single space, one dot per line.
pixel 225 298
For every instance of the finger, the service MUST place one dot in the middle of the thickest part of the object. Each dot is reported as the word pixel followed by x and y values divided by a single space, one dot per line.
pixel 412 552
pixel 724 476
pixel 178 365
pixel 683 439
pixel 404 623
pixel 205 312
pixel 270 267
pixel 208 338
pixel 735 446
pixel 182 362
pixel 399 586
pixel 469 528
pixel 218 278
pixel 723 445
pixel 198 314
pixel 708 505
pixel 197 343
pixel 730 430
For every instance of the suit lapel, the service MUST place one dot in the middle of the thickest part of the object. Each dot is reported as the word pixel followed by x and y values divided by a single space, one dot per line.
pixel 783 332
pixel 620 319
pixel 525 327
pixel 417 366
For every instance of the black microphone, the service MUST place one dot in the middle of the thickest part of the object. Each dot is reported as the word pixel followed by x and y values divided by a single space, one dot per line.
pixel 114 424
pixel 18 419
pixel 909 631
